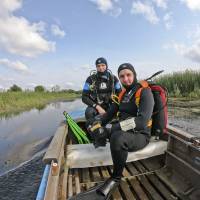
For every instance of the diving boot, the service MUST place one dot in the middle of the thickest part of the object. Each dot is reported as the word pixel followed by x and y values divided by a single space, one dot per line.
pixel 99 192
pixel 108 187
pixel 90 194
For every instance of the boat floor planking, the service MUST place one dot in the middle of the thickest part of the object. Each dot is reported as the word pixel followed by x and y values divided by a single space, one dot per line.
pixel 173 175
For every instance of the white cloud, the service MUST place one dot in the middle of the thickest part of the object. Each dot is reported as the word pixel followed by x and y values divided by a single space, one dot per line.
pixel 145 9
pixel 17 65
pixel 55 29
pixel 69 84
pixel 191 52
pixel 103 5
pixel 194 32
pixel 168 20
pixel 8 6
pixel 161 3
pixel 87 67
pixel 107 6
pixel 192 4
pixel 19 36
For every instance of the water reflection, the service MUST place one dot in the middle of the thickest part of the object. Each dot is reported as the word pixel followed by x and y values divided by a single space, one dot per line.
pixel 20 135
pixel 185 119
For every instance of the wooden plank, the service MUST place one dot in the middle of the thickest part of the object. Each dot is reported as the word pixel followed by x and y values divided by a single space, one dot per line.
pixel 116 195
pixel 132 169
pixel 85 155
pixel 154 163
pixel 105 172
pixel 96 175
pixel 162 188
pixel 64 183
pixel 156 181
pixel 173 180
pixel 145 182
pixel 86 175
pixel 52 189
pixel 180 133
pixel 151 192
pixel 138 189
pixel 126 190
pixel 53 179
pixel 77 182
pixel 70 186
pixel 126 173
pixel 54 149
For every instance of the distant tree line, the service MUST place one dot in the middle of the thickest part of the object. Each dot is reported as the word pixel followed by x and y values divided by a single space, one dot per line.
pixel 40 88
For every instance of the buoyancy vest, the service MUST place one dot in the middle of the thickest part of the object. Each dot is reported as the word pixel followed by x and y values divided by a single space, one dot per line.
pixel 102 88
pixel 158 123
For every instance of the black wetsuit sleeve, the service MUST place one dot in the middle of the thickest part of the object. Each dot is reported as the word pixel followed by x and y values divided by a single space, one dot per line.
pixel 145 109
pixel 86 93
pixel 117 85
pixel 111 112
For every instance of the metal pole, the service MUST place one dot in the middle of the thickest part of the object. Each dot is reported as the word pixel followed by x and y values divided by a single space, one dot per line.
pixel 43 184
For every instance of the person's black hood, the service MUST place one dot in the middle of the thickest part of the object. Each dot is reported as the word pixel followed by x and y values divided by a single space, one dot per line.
pixel 131 68
pixel 102 60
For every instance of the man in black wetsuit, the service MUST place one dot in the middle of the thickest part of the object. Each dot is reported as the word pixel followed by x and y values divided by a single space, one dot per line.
pixel 131 133
pixel 98 88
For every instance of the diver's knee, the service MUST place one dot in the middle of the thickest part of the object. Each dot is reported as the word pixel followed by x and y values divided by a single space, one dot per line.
pixel 116 141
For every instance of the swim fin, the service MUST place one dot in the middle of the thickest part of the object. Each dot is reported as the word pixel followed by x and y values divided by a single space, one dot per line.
pixel 99 192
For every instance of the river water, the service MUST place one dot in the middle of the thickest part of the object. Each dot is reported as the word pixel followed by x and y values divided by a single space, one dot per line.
pixel 25 137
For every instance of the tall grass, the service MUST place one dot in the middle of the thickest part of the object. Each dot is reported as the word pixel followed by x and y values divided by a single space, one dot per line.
pixel 19 101
pixel 182 84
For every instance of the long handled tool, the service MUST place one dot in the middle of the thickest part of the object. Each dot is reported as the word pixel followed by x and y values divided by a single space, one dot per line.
pixel 78 132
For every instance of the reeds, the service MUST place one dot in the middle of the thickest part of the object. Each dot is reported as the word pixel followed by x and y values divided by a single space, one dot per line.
pixel 182 84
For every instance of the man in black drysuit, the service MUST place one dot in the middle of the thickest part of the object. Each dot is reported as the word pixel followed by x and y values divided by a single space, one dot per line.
pixel 98 89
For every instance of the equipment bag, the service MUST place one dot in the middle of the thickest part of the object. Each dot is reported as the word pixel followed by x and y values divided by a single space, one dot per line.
pixel 160 115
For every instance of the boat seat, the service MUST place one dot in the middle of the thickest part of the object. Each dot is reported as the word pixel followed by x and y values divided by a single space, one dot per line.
pixel 85 155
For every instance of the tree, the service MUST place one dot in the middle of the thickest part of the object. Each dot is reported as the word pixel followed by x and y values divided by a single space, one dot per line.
pixel 55 88
pixel 15 88
pixel 39 88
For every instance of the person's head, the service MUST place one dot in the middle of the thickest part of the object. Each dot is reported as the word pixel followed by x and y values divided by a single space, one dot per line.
pixel 101 65
pixel 127 75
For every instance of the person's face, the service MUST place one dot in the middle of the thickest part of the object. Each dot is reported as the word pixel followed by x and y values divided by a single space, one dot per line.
pixel 126 77
pixel 101 67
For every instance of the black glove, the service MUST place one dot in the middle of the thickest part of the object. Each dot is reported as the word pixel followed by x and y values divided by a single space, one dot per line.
pixel 98 134
pixel 112 127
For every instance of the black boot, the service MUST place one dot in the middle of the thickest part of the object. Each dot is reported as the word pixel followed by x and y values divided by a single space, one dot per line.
pixel 108 187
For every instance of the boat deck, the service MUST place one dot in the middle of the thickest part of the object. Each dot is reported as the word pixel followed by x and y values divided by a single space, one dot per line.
pixel 173 175
pixel 142 180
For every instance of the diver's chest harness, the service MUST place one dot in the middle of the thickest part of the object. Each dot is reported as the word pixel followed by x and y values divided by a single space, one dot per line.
pixel 102 87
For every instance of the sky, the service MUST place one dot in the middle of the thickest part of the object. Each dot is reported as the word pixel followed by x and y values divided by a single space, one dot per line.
pixel 56 42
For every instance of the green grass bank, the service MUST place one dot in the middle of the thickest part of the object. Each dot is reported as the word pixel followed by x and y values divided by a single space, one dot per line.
pixel 11 102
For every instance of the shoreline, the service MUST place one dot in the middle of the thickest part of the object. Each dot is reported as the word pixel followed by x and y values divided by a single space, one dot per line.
pixel 15 103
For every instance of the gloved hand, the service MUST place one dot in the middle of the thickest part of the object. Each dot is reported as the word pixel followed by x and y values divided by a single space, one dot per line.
pixel 98 134
pixel 112 127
